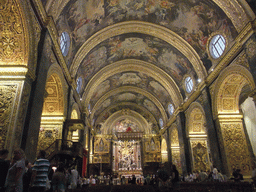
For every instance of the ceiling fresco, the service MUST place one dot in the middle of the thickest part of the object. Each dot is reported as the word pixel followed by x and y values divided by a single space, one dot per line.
pixel 154 126
pixel 193 20
pixel 136 46
pixel 132 97
pixel 119 63
pixel 137 79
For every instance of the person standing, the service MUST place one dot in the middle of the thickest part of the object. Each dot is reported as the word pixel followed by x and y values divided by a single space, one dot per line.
pixel 59 179
pixel 4 166
pixel 74 178
pixel 40 172
pixel 15 173
pixel 175 176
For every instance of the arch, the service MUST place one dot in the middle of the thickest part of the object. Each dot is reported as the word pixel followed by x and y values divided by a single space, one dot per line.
pixel 175 147
pixel 151 118
pixel 164 146
pixel 198 138
pixel 54 77
pixel 75 112
pixel 54 108
pixel 164 152
pixel 196 119
pixel 145 28
pixel 240 76
pixel 53 101
pixel 132 89
pixel 143 125
pixel 235 150
pixel 134 65
pixel 174 137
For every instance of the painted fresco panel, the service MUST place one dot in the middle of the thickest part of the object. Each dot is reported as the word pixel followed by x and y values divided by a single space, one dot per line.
pixel 130 97
pixel 193 20
pixel 133 79
pixel 102 116
pixel 134 46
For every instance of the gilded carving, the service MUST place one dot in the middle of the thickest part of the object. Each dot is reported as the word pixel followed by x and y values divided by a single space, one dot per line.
pixel 23 103
pixel 197 127
pixel 200 155
pixel 228 104
pixel 230 90
pixel 47 136
pixel 234 11
pixel 7 97
pixel 251 48
pixel 12 48
pixel 176 160
pixel 196 119
pixel 242 59
pixel 152 146
pixel 101 145
pixel 101 158
pixel 174 137
pixel 152 150
pixel 53 102
pixel 236 147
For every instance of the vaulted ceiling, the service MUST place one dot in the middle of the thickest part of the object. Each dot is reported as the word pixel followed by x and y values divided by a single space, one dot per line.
pixel 136 54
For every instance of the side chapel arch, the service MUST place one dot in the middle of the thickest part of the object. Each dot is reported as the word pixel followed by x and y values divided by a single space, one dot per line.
pixel 54 109
pixel 175 147
pixel 164 152
pixel 234 147
pixel 198 138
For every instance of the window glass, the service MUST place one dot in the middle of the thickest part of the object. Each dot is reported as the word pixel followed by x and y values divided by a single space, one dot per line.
pixel 161 123
pixel 170 109
pixel 78 84
pixel 64 43
pixel 189 84
pixel 217 46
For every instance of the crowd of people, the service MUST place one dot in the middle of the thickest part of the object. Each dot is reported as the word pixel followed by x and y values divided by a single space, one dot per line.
pixel 18 175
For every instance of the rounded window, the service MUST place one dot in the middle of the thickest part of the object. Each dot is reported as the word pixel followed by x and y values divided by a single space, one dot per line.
pixel 170 109
pixel 64 43
pixel 217 46
pixel 189 84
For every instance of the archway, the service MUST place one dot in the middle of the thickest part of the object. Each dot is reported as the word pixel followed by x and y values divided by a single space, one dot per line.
pixel 197 136
pixel 175 147
pixel 235 149
pixel 52 116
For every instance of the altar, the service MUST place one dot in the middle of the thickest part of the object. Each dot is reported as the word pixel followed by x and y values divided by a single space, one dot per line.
pixel 127 154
